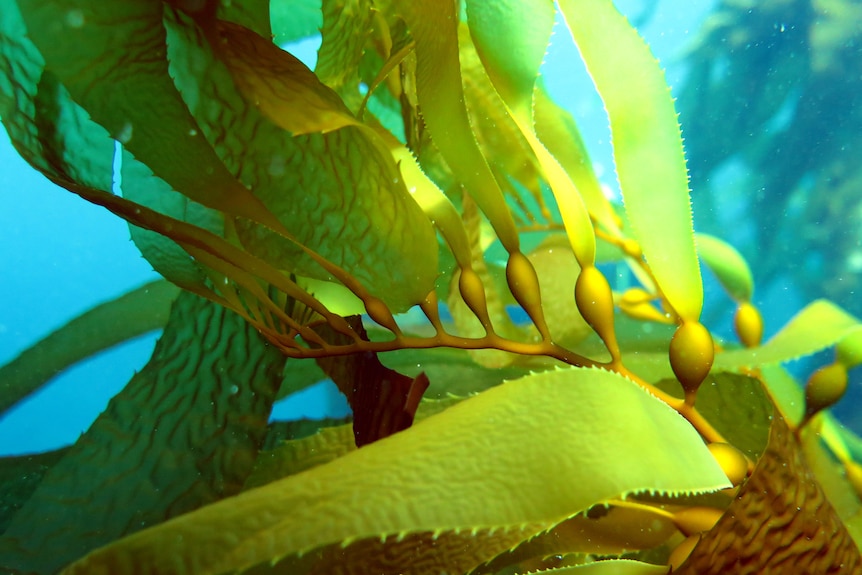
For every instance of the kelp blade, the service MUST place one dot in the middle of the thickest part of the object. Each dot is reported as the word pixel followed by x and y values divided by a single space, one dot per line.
pixel 728 265
pixel 817 326
pixel 433 26
pixel 647 146
pixel 131 93
pixel 513 68
pixel 130 315
pixel 479 464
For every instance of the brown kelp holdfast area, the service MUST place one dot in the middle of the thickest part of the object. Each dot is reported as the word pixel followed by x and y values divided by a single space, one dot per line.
pixel 376 220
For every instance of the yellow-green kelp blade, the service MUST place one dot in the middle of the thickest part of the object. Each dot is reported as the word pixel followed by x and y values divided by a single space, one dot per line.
pixel 513 67
pixel 647 146
pixel 819 325
pixel 557 130
pixel 483 463
pixel 610 567
pixel 513 64
pixel 728 265
pixel 434 27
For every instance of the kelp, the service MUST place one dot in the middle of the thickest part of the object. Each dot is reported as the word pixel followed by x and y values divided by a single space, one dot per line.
pixel 135 313
pixel 420 168
pixel 308 510
pixel 156 451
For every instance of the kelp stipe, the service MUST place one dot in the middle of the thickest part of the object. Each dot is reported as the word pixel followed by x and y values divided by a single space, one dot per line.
pixel 320 206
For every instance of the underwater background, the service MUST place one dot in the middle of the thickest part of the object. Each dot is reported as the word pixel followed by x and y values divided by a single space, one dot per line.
pixel 60 255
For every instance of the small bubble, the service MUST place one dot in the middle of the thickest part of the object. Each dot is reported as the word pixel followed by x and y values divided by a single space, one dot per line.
pixel 75 18
pixel 193 132
pixel 234 390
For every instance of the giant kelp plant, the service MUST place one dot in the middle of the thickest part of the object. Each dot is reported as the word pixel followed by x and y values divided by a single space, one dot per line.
pixel 378 219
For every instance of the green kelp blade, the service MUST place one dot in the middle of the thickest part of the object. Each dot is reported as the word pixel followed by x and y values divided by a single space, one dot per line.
pixel 557 130
pixel 294 20
pixel 817 326
pixel 615 531
pixel 335 188
pixel 49 130
pixel 849 349
pixel 513 67
pixel 70 146
pixel 483 463
pixel 130 92
pixel 499 137
pixel 253 14
pixel 270 79
pixel 347 24
pixel 57 137
pixel 647 146
pixel 512 37
pixel 167 257
pixel 434 27
pixel 727 264
pixel 184 432
pixel 137 312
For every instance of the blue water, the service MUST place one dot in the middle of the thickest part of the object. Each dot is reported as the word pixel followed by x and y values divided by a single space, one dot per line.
pixel 59 255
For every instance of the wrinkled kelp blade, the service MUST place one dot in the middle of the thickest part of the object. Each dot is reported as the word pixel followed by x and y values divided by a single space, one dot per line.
pixel 253 14
pixel 780 522
pixel 58 137
pixel 52 133
pixel 272 80
pixel 183 433
pixel 338 193
pixel 480 463
pixel 137 312
pixel 168 258
pixel 20 475
pixel 347 24
pixel 647 146
pixel 131 94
